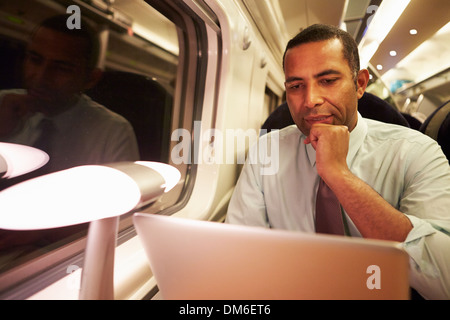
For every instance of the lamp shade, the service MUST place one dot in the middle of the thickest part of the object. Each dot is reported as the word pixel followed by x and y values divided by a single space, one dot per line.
pixel 81 194
pixel 3 166
pixel 170 174
pixel 16 159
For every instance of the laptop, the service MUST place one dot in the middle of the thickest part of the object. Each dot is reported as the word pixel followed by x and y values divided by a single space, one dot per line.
pixel 192 259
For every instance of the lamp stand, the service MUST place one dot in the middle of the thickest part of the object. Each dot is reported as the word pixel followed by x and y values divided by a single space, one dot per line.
pixel 97 280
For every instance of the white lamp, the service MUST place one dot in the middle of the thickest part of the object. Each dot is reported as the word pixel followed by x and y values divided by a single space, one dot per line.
pixel 16 159
pixel 91 193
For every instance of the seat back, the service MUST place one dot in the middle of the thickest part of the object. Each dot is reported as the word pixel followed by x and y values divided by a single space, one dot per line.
pixel 437 126
pixel 144 103
pixel 414 123
pixel 372 107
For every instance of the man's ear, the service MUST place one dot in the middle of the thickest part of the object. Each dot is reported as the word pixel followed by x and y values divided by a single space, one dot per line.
pixel 93 78
pixel 361 82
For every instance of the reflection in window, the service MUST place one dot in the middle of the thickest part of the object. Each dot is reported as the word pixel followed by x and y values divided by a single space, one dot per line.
pixel 81 115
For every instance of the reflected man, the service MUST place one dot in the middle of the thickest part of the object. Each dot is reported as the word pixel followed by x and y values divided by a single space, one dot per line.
pixel 60 64
pixel 53 114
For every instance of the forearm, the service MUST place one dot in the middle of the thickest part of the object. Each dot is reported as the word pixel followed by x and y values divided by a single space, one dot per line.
pixel 372 215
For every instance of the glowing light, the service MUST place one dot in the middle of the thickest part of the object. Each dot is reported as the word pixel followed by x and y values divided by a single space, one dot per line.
pixel 19 159
pixel 170 174
pixel 68 197
pixel 383 21
pixel 83 194
pixel 424 61
pixel 413 32
pixel 393 53
pixel 91 193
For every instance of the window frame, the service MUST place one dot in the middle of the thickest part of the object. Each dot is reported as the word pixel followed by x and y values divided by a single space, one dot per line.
pixel 35 275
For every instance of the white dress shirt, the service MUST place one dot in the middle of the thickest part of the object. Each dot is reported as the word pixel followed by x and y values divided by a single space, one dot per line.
pixel 407 168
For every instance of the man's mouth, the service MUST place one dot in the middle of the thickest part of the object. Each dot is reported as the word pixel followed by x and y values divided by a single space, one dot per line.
pixel 40 95
pixel 324 119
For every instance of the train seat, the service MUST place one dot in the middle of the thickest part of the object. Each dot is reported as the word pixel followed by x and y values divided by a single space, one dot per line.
pixel 437 126
pixel 414 123
pixel 370 106
pixel 144 103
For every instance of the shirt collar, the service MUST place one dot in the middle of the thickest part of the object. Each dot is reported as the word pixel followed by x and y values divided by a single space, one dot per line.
pixel 357 137
pixel 64 119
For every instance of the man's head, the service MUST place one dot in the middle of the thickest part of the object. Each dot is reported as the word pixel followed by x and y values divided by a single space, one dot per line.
pixel 60 63
pixel 323 80
pixel 322 32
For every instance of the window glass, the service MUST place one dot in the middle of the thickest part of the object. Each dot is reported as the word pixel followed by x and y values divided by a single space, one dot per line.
pixel 124 113
pixel 271 102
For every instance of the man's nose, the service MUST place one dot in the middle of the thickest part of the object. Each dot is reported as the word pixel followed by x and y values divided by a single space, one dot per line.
pixel 42 74
pixel 313 96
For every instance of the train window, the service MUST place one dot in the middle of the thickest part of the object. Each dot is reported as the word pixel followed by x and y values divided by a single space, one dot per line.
pixel 147 67
pixel 271 102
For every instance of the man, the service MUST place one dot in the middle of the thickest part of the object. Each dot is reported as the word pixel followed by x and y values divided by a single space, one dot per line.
pixel 60 64
pixel 392 182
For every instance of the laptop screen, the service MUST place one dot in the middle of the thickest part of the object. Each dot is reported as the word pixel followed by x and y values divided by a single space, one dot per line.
pixel 193 259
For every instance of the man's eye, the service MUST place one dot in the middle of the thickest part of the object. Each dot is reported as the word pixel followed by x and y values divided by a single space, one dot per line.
pixel 33 58
pixel 65 68
pixel 329 81
pixel 295 86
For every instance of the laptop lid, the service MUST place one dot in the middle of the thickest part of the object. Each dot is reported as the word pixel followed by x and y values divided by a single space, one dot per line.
pixel 193 259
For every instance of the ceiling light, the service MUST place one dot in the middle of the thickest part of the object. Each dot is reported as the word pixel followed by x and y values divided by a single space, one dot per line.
pixel 384 19
pixel 393 53
pixel 413 31
pixel 379 67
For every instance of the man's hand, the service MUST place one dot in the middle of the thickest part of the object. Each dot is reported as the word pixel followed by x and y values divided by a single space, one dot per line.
pixel 331 144
pixel 373 216
pixel 13 109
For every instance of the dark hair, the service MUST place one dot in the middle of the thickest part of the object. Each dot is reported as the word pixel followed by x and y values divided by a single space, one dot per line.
pixel 322 32
pixel 86 32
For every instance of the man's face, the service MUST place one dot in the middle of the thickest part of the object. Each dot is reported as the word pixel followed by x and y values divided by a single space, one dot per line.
pixel 55 69
pixel 320 86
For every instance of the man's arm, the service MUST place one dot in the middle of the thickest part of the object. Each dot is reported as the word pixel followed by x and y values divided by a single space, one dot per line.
pixel 373 216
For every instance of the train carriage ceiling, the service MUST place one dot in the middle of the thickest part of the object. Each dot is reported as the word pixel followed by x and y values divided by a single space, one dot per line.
pixel 299 14
pixel 401 56
pixel 417 57
pixel 428 17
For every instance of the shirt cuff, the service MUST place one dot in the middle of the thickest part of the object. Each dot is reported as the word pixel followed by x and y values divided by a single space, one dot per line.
pixel 414 245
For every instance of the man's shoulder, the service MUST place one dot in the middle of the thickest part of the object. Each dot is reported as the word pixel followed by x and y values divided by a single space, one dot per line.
pixel 93 109
pixel 392 134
